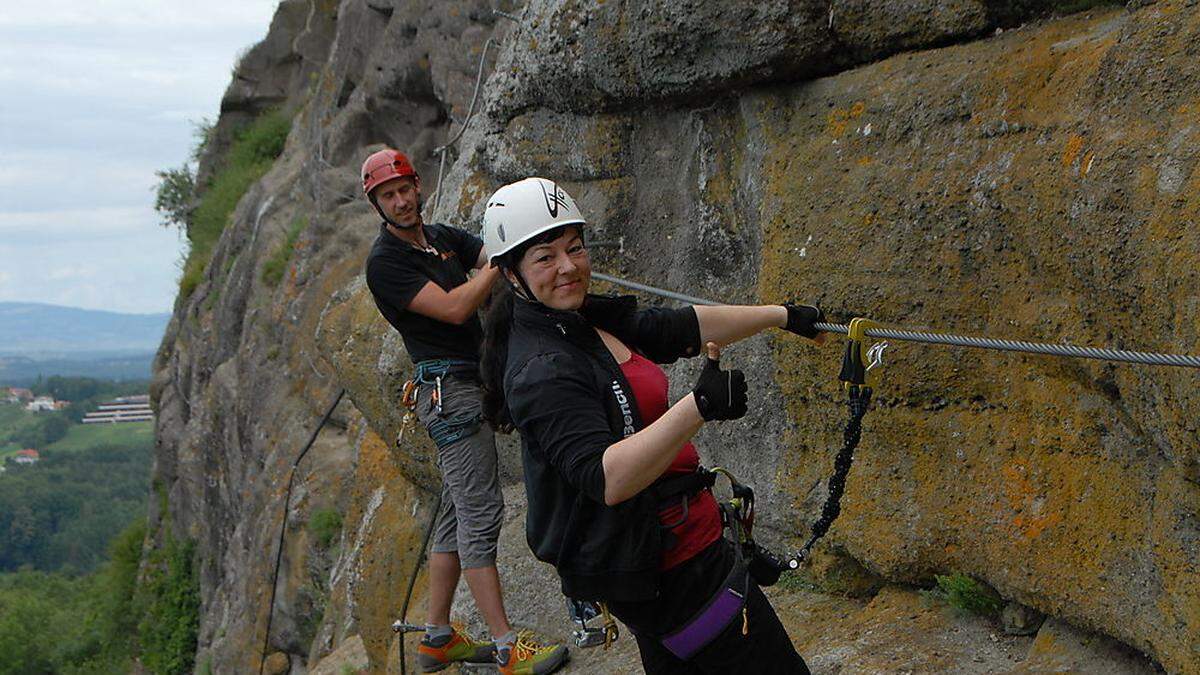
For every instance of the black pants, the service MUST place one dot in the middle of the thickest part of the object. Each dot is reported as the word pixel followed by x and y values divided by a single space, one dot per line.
pixel 766 648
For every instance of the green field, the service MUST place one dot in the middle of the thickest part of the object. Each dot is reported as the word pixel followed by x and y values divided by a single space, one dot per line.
pixel 84 436
pixel 79 436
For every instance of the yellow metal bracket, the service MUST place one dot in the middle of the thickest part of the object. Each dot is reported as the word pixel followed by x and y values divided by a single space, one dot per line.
pixel 858 328
pixel 860 359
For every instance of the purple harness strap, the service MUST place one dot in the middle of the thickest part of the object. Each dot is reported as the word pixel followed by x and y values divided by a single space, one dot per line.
pixel 711 620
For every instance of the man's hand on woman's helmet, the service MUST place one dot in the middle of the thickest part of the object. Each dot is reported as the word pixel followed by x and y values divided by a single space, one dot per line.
pixel 720 394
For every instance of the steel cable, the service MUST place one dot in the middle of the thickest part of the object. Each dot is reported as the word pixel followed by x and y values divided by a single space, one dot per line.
pixel 928 337
pixel 1101 353
pixel 444 148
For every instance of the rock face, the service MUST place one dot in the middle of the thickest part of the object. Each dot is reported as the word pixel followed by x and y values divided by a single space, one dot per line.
pixel 923 163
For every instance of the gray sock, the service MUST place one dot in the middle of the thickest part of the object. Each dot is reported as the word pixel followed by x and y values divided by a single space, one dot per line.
pixel 504 644
pixel 438 634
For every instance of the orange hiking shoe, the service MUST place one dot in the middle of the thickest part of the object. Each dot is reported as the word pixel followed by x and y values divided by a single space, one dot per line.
pixel 435 655
pixel 527 657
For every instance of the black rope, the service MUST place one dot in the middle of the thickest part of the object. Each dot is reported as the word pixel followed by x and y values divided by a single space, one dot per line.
pixel 859 403
pixel 283 526
pixel 412 580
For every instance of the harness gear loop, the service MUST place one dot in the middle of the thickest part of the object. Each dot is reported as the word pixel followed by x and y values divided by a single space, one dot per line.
pixel 739 508
pixel 583 611
pixel 408 399
pixel 611 633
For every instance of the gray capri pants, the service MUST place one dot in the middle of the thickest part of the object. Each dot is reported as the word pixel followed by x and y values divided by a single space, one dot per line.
pixel 472 504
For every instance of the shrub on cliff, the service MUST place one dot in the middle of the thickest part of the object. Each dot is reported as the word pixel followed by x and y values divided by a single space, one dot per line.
pixel 966 594
pixel 325 525
pixel 253 151
pixel 274 267
pixel 170 595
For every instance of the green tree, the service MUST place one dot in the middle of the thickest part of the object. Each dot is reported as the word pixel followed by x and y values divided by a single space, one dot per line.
pixel 170 626
pixel 204 131
pixel 175 196
pixel 26 618
pixel 71 388
pixel 62 511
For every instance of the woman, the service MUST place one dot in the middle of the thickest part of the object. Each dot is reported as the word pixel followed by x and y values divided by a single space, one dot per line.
pixel 576 374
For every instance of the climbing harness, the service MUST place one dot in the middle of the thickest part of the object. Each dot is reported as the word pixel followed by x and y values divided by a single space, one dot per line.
pixel 442 430
pixel 431 373
pixel 711 619
pixel 750 562
pixel 737 514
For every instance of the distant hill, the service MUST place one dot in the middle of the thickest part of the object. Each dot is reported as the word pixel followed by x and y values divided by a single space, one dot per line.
pixel 48 331
pixel 22 371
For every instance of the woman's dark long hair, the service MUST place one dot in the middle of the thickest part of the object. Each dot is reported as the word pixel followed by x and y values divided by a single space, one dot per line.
pixel 493 357
pixel 497 324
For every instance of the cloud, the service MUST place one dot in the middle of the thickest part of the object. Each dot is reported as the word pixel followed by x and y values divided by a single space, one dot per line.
pixel 71 272
pixel 98 95
pixel 32 181
pixel 98 224
pixel 136 272
pixel 137 13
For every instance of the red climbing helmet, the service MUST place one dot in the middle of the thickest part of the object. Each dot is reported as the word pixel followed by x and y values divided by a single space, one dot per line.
pixel 383 166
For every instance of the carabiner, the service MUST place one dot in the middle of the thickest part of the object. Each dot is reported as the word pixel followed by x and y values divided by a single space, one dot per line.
pixel 437 396
pixel 875 355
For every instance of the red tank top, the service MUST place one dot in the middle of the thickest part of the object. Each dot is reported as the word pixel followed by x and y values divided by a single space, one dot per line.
pixel 703 525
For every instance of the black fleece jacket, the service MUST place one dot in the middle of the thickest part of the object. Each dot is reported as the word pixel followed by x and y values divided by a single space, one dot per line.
pixel 568 398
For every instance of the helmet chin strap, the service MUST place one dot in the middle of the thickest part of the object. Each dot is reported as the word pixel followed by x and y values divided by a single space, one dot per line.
pixel 524 292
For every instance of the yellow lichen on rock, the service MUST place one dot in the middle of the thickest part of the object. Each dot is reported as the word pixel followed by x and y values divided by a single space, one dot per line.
pixel 973 457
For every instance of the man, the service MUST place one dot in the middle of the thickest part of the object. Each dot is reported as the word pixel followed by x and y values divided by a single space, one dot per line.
pixel 418 275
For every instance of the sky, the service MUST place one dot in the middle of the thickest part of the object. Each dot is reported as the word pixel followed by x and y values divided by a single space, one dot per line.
pixel 95 96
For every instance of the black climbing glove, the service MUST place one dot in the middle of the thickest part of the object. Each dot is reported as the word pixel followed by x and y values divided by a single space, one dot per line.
pixel 720 394
pixel 801 319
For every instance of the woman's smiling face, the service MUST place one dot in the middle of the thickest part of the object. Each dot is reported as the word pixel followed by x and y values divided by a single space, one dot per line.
pixel 558 272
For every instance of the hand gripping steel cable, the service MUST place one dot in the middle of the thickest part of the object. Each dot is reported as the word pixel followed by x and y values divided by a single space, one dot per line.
pixel 858 382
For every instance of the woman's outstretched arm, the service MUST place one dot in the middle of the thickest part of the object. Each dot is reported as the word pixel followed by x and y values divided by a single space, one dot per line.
pixel 726 324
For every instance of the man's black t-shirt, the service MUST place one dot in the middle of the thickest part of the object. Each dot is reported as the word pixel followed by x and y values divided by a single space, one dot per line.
pixel 397 271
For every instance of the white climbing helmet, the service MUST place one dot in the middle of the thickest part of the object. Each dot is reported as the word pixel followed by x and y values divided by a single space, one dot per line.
pixel 522 210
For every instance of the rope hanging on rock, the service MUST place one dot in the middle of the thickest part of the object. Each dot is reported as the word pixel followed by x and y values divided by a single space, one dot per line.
pixel 445 147
pixel 287 498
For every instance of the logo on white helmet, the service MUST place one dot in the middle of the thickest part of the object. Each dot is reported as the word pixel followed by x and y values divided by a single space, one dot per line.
pixel 499 226
pixel 554 198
